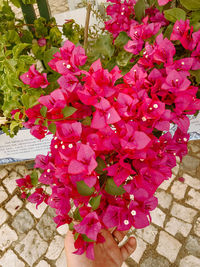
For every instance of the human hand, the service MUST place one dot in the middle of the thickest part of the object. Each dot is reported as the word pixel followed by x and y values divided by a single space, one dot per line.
pixel 107 254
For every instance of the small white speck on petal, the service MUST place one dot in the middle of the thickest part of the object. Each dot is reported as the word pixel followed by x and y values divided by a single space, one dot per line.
pixel 177 80
pixel 126 222
pixel 108 116
pixel 133 212
pixel 182 63
pixel 70 145
pixel 56 146
pixel 63 147
pixel 155 105
pixel 55 138
pixel 48 170
pixel 144 119
pixel 68 66
pixel 185 139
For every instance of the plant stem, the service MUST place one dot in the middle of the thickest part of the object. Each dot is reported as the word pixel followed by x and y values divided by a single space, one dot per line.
pixel 87 21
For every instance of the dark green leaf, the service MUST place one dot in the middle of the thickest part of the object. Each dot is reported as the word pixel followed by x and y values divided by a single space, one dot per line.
pixel 68 111
pixel 168 31
pixel 112 189
pixel 191 4
pixel 139 9
pixel 43 111
pixel 52 128
pixel 87 121
pixel 17 50
pixel 95 202
pixel 87 239
pixel 34 178
pixel 101 165
pixel 48 55
pixel 196 74
pixel 104 46
pixel 123 58
pixel 71 226
pixel 16 3
pixel 77 215
pixel 84 189
pixel 175 14
pixel 121 39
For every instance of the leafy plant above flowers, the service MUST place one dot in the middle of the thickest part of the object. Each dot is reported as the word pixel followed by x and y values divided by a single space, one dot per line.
pixel 111 147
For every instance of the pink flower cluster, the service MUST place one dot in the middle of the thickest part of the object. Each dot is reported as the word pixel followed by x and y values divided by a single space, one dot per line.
pixel 124 126
pixel 122 15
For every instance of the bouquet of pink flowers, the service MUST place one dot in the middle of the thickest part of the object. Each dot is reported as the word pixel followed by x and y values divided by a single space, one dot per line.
pixel 111 147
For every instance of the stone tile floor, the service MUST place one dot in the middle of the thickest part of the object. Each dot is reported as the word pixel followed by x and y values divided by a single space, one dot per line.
pixel 28 236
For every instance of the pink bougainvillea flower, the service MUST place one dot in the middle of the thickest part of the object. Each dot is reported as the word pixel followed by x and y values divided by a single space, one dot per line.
pixel 163 2
pixel 34 78
pixel 85 162
pixel 105 114
pixel 69 132
pixel 42 42
pixel 90 226
pixel 24 182
pixel 38 197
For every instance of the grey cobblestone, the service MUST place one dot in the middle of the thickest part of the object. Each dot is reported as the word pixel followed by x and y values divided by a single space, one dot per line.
pixel 23 222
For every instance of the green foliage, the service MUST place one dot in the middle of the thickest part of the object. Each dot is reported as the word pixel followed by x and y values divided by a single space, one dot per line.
pixel 73 31
pixel 34 177
pixel 190 4
pixel 112 189
pixel 139 9
pixel 84 189
pixel 95 202
pixel 68 111
pixel 175 14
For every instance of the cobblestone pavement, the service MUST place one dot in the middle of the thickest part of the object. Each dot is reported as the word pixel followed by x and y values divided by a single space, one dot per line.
pixel 28 236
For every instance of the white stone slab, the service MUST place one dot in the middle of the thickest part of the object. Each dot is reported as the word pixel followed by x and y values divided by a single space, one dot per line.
pixel 13 205
pixel 137 254
pixel 10 259
pixel 183 213
pixel 175 226
pixel 7 236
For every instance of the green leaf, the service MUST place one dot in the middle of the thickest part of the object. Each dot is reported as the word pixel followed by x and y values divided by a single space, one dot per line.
pixel 104 46
pixel 168 31
pixel 101 165
pixel 13 125
pixel 17 50
pixel 71 226
pixel 34 178
pixel 27 59
pixel 121 39
pixel 29 2
pixel 191 4
pixel 55 36
pixel 87 239
pixel 77 215
pixel 112 189
pixel 12 37
pixel 43 111
pixel 84 189
pixel 196 74
pixel 48 56
pixel 52 128
pixel 95 202
pixel 123 58
pixel 26 36
pixel 139 9
pixel 68 111
pixel 87 121
pixel 175 14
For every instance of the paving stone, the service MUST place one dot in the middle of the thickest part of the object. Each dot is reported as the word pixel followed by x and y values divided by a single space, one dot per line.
pixel 46 226
pixel 23 222
pixel 193 245
pixel 55 248
pixel 189 261
pixel 194 199
pixel 3 216
pixel 159 261
pixel 190 164
pixel 148 234
pixel 3 173
pixel 158 217
pixel 3 195
pixel 175 170
pixel 10 181
pixel 193 182
pixel 178 190
pixel 11 258
pixel 175 226
pixel 37 212
pixel 43 264
pixel 32 247
pixel 14 205
pixel 141 246
pixel 164 199
pixel 63 229
pixel 61 261
pixel 7 236
pixel 168 246
pixel 197 227
pixel 167 183
pixel 21 169
pixel 194 148
pixel 183 213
